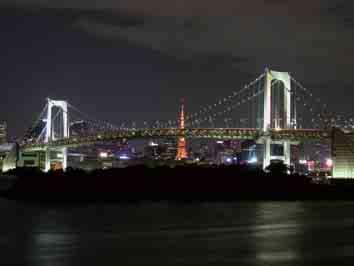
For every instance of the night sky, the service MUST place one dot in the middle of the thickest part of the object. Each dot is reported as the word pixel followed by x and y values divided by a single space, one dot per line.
pixel 134 59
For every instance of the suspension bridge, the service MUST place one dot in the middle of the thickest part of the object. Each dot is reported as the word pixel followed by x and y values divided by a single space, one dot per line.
pixel 273 109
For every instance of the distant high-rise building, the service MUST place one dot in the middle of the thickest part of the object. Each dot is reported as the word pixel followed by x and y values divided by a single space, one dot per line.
pixel 169 149
pixel 3 133
pixel 152 150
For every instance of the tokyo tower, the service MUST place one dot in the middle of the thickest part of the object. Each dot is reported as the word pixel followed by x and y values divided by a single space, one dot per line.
pixel 181 146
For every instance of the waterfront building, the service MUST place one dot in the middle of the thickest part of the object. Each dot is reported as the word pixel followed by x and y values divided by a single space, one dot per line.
pixel 169 150
pixel 3 133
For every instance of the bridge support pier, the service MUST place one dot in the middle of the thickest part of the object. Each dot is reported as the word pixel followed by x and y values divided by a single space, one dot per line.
pixel 64 132
pixel 61 157
pixel 287 153
pixel 47 160
pixel 276 116
pixel 65 158
pixel 267 151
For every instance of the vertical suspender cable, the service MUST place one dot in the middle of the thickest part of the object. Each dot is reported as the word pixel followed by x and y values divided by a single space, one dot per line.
pixel 294 101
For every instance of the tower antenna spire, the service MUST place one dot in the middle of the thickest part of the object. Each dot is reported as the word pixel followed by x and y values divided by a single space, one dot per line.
pixel 181 146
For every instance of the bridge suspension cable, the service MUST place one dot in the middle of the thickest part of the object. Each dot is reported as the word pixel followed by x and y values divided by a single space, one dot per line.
pixel 323 118
pixel 247 104
pixel 29 133
pixel 230 103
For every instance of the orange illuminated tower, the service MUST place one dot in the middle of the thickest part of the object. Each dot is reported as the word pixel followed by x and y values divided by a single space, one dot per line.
pixel 181 146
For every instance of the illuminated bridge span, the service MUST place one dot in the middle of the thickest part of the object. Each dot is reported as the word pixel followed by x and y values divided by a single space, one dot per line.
pixel 198 133
pixel 273 109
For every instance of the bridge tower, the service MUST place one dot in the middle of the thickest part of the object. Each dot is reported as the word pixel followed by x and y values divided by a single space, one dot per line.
pixel 181 146
pixel 52 132
pixel 276 115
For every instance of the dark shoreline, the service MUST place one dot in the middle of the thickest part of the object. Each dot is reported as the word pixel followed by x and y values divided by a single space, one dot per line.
pixel 179 184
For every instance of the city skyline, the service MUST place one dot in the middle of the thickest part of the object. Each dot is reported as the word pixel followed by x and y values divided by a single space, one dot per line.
pixel 178 132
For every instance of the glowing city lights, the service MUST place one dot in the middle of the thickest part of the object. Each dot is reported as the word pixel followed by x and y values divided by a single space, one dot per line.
pixel 124 157
pixel 103 154
pixel 329 162
pixel 253 160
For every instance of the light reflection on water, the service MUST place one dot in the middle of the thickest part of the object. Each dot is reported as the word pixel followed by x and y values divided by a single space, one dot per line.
pixel 246 233
pixel 282 223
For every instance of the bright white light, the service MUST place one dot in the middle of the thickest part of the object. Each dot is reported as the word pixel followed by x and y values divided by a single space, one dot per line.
pixel 197 159
pixel 124 157
pixel 60 155
pixel 220 142
pixel 253 160
pixel 103 154
pixel 329 162
pixel 153 144
pixel 228 160
pixel 303 161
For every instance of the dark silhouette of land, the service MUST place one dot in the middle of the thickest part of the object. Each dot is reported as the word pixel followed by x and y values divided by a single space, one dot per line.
pixel 181 183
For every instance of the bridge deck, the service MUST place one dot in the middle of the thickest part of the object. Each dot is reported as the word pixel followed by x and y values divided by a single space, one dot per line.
pixel 206 133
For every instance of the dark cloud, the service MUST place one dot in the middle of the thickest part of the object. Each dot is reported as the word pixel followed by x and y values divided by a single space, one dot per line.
pixel 298 8
pixel 72 15
pixel 343 11
pixel 210 62
pixel 162 50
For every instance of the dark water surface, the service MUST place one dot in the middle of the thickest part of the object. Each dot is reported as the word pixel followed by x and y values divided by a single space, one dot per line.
pixel 246 233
